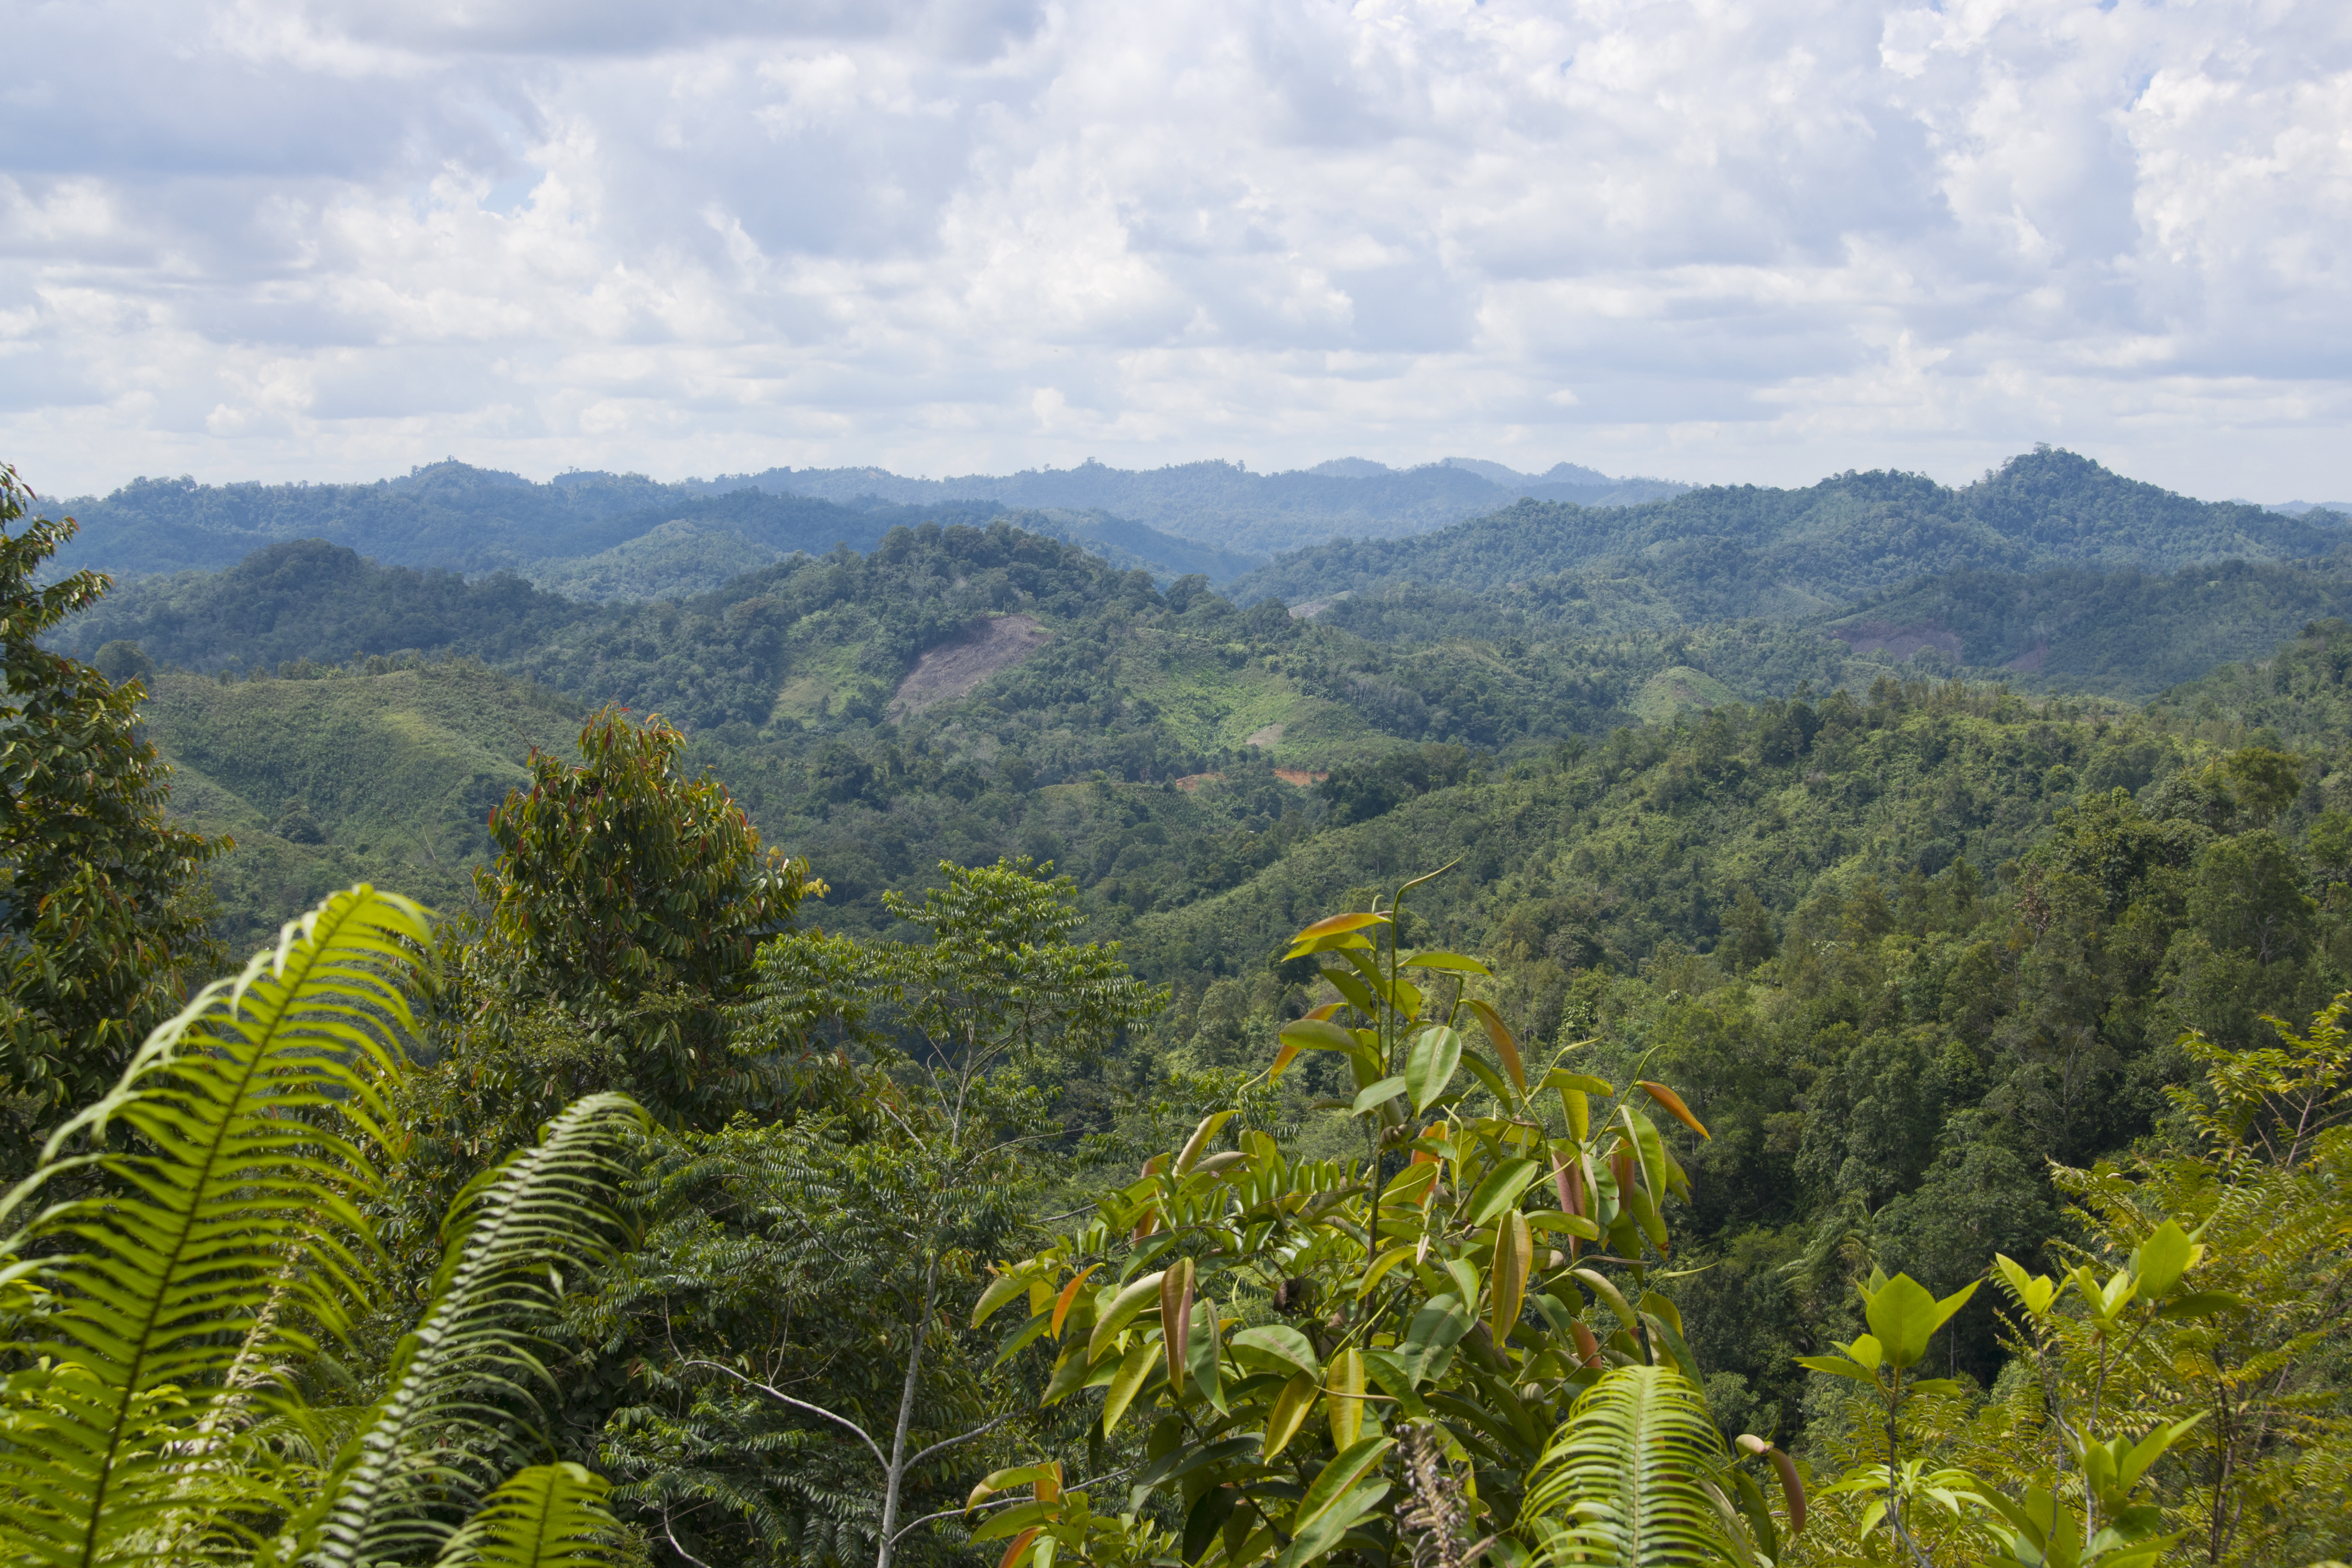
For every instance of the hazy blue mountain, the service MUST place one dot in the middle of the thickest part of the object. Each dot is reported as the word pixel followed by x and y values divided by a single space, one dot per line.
pixel 447 514
pixel 1225 505
pixel 453 516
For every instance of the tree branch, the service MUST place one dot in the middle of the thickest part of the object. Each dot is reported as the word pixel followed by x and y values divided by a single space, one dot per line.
pixel 782 1398
pixel 951 1442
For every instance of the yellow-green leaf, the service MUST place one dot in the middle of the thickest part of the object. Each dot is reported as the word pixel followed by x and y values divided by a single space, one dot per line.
pixel 1382 1265
pixel 1001 1290
pixel 1515 1251
pixel 1289 1413
pixel 1343 1391
pixel 1200 1139
pixel 1460 963
pixel 1125 1381
pixel 1333 925
pixel 1124 1306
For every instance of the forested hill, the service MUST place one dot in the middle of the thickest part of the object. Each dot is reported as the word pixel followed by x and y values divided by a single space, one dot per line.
pixel 586 535
pixel 449 515
pixel 1739 550
pixel 1216 519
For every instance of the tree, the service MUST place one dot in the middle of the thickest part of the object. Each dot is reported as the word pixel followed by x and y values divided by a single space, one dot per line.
pixel 803 1377
pixel 100 907
pixel 623 916
pixel 163 1333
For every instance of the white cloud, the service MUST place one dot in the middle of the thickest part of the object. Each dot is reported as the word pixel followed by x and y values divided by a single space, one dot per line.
pixel 1714 238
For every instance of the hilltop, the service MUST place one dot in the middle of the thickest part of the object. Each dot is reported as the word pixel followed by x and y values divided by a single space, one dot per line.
pixel 1731 552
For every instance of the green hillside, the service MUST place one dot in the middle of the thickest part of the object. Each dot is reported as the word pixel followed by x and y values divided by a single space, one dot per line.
pixel 382 773
pixel 1901 948
pixel 1735 551
pixel 2126 632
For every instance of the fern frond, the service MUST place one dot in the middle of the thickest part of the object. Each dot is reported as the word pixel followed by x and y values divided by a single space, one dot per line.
pixel 444 1430
pixel 550 1516
pixel 1625 1481
pixel 234 1220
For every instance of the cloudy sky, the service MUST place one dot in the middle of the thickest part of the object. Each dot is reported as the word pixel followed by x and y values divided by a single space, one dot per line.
pixel 1705 239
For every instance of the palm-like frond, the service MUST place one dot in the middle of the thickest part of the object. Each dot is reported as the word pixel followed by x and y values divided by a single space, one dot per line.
pixel 550 1516
pixel 256 1124
pixel 443 1431
pixel 1627 1480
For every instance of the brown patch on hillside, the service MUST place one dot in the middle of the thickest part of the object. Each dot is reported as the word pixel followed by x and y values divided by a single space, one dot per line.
pixel 1299 776
pixel 954 667
pixel 1191 782
pixel 1899 642
pixel 2031 661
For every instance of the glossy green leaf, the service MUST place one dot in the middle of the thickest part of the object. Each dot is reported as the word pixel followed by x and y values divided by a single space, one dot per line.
pixel 1430 1067
pixel 1141 1357
pixel 1903 1317
pixel 2160 1261
pixel 1500 1190
pixel 1277 1345
pixel 1130 1300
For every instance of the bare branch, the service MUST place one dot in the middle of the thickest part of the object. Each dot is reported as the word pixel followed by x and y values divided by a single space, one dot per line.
pixel 951 1442
pixel 782 1398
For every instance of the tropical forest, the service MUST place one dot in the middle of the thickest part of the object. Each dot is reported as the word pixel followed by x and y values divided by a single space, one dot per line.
pixel 1383 1018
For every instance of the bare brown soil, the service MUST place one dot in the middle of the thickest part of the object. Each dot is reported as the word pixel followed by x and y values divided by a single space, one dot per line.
pixel 954 667
pixel 1299 776
pixel 1191 782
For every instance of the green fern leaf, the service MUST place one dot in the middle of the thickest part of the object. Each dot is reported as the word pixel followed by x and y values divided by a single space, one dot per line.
pixel 443 1431
pixel 550 1516
pixel 1628 1480
pixel 233 1219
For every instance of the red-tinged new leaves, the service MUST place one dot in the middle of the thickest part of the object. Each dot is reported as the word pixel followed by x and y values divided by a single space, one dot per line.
pixel 1673 1105
pixel 1176 1319
pixel 1507 1046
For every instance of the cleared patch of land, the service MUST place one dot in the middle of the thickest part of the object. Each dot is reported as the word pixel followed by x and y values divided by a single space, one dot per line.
pixel 1898 641
pixel 954 667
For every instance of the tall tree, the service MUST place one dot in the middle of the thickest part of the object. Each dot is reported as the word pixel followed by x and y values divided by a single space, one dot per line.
pixel 811 1385
pixel 101 911
pixel 624 915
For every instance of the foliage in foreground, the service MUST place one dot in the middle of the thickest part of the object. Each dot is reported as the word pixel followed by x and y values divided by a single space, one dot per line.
pixel 101 915
pixel 164 1333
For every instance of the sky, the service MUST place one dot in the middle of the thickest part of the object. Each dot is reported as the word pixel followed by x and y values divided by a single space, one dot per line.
pixel 1711 240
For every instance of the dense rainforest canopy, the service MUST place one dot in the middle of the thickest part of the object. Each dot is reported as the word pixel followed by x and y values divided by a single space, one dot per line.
pixel 950 1048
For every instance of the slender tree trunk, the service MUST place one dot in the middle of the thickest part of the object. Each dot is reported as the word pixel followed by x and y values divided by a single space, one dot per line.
pixel 894 1478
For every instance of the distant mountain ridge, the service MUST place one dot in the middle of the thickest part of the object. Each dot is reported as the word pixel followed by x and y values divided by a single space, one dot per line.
pixel 1225 504
pixel 1733 552
pixel 1216 519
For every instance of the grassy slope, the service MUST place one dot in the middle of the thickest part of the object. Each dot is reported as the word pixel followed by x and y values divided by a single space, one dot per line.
pixel 396 770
